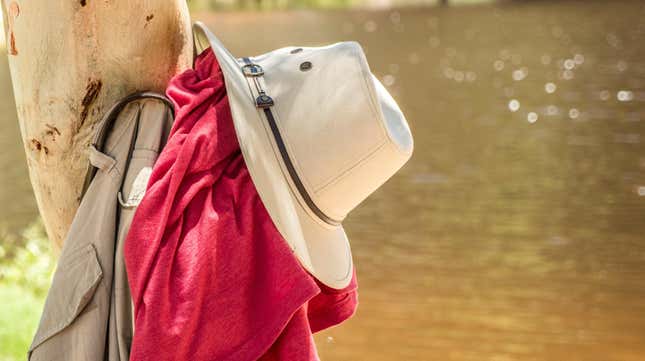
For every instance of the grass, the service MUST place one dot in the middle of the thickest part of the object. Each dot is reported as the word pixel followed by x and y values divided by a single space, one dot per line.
pixel 25 272
pixel 19 317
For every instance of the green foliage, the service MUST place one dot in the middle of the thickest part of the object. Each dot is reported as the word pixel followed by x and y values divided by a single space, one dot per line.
pixel 26 266
pixel 18 320
pixel 26 261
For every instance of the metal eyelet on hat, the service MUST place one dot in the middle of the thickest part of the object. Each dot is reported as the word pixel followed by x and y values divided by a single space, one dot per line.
pixel 252 70
pixel 255 72
pixel 306 66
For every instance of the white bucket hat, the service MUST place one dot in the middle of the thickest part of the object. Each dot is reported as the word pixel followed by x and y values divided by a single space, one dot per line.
pixel 319 133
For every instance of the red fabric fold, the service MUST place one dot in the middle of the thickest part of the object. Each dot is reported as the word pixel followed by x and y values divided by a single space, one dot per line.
pixel 210 275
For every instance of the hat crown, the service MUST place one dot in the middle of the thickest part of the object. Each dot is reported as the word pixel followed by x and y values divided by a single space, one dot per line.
pixel 343 133
pixel 331 137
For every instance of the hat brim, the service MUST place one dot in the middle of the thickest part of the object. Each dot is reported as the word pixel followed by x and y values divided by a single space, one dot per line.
pixel 322 249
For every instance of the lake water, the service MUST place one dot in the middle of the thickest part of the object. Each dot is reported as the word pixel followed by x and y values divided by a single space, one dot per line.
pixel 517 230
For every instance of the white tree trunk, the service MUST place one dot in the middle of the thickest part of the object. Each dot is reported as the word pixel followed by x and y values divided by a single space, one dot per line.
pixel 70 60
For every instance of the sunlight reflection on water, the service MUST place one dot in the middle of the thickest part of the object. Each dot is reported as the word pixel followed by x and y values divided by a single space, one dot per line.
pixel 516 231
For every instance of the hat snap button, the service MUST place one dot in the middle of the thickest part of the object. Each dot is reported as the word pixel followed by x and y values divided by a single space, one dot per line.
pixel 306 66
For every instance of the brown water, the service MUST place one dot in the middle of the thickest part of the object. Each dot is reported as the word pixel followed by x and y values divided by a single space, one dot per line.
pixel 509 235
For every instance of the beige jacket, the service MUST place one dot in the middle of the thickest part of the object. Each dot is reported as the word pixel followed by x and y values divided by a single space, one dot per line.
pixel 88 315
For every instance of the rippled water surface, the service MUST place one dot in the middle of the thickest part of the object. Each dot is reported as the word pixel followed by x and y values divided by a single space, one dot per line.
pixel 517 231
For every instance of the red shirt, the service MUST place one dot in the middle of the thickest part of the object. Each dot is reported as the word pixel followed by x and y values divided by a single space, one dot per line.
pixel 210 275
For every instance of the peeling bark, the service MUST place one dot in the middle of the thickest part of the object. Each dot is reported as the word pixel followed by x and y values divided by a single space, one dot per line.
pixel 69 62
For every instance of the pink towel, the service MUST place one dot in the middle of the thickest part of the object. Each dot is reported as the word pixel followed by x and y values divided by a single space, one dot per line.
pixel 211 277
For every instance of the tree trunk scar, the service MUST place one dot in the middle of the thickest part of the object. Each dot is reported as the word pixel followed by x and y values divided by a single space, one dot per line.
pixel 52 131
pixel 36 144
pixel 14 11
pixel 148 18
pixel 12 44
pixel 91 92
